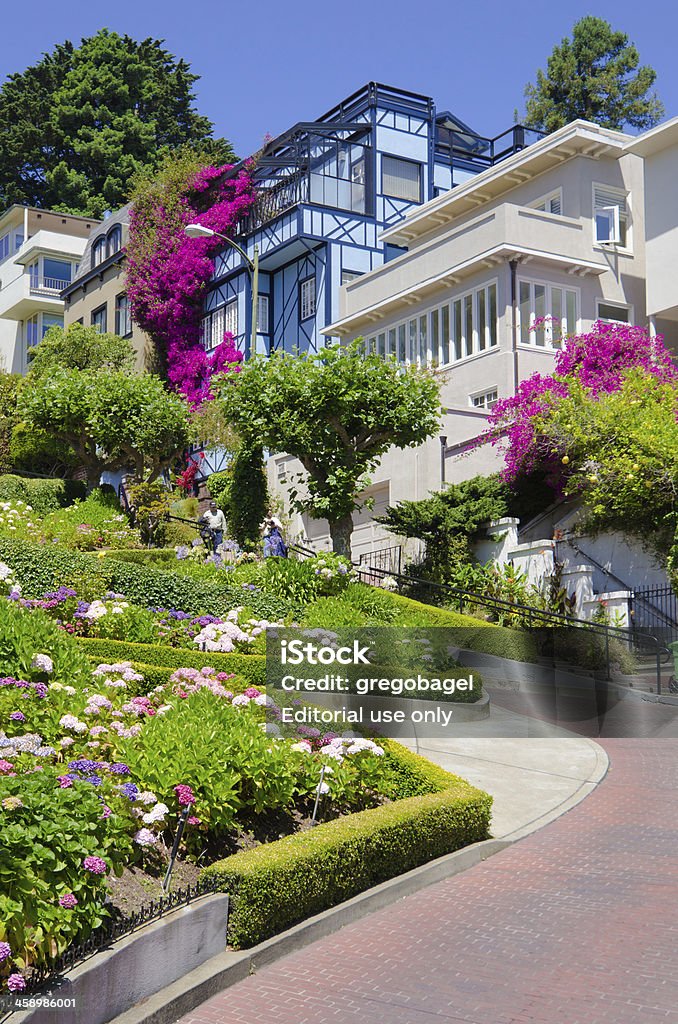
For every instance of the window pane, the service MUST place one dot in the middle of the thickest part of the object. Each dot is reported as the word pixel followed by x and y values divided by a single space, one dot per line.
pixel 262 314
pixel 457 330
pixel 423 342
pixel 468 325
pixel 402 344
pixel 391 347
pixel 571 306
pixel 556 315
pixel 492 313
pixel 539 313
pixel 51 320
pixel 435 337
pixel 525 310
pixel 482 320
pixel 445 331
pixel 609 312
pixel 381 345
pixel 412 352
pixel 401 179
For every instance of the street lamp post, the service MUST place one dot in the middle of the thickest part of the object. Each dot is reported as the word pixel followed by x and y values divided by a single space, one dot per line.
pixel 200 231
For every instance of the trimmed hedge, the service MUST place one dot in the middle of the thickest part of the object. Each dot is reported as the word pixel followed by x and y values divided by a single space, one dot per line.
pixel 44 494
pixel 144 556
pixel 276 885
pixel 252 667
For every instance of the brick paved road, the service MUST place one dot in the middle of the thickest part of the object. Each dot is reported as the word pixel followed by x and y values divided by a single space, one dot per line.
pixel 577 924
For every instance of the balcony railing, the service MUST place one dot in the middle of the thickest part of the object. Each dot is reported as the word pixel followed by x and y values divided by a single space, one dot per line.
pixel 47 285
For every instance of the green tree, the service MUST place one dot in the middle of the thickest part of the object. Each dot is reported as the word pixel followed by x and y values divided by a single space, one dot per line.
pixel 242 493
pixel 338 412
pixel 76 126
pixel 80 348
pixel 110 419
pixel 596 76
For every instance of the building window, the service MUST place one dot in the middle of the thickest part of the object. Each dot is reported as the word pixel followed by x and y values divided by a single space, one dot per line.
pixel 123 316
pixel 484 400
pixel 99 251
pixel 349 275
pixel 99 319
pixel 219 322
pixel 610 215
pixel 401 179
pixel 610 312
pixel 467 326
pixel 18 240
pixel 32 331
pixel 56 273
pixel 552 203
pixel 114 241
pixel 263 326
pixel 4 247
pixel 547 313
pixel 34 274
pixel 50 320
pixel 307 298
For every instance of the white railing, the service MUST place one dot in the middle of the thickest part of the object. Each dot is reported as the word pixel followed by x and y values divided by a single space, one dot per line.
pixel 53 285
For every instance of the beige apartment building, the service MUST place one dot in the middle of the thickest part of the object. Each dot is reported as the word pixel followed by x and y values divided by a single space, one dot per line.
pixel 97 295
pixel 498 270
pixel 40 253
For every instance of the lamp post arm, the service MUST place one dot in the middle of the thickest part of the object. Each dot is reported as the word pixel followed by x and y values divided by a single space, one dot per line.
pixel 238 248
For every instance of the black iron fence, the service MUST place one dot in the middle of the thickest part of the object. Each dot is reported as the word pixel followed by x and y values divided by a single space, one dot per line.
pixel 388 560
pixel 655 608
pixel 113 929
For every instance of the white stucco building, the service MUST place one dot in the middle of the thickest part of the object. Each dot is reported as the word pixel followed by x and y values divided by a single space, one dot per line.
pixel 39 255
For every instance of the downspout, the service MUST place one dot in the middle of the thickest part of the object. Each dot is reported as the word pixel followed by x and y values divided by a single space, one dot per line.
pixel 513 264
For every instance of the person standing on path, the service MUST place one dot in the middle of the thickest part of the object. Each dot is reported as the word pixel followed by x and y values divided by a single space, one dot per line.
pixel 275 539
pixel 215 519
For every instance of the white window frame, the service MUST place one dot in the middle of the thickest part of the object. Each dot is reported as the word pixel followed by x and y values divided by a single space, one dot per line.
pixel 307 298
pixel 222 319
pixel 612 213
pixel 548 327
pixel 484 399
pixel 348 276
pixel 615 305
pixel 263 319
pixel 543 203
pixel 405 340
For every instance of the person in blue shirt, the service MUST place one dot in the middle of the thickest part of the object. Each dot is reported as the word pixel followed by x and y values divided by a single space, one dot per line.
pixel 276 544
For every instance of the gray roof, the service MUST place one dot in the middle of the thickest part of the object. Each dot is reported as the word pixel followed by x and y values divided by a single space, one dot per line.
pixel 121 217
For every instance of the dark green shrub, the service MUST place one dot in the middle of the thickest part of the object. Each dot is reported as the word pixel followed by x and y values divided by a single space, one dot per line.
pixel 241 492
pixel 165 557
pixel 44 495
pixel 274 886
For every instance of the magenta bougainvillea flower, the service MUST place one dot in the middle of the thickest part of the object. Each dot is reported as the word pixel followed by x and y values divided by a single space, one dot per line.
pixel 599 361
pixel 167 272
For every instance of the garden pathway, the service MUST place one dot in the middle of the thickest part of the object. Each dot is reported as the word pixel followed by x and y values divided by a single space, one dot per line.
pixel 575 923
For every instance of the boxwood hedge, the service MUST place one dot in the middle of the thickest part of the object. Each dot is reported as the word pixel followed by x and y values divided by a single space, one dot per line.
pixel 276 885
pixel 251 667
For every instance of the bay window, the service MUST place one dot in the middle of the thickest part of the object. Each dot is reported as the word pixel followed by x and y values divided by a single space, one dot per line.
pixel 546 313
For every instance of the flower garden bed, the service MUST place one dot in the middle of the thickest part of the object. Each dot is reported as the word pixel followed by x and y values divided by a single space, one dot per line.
pixel 105 739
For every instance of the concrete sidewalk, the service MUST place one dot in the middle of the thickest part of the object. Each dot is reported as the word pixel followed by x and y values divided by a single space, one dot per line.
pixel 532 780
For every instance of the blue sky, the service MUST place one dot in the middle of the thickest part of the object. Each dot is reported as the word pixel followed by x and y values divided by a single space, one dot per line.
pixel 265 65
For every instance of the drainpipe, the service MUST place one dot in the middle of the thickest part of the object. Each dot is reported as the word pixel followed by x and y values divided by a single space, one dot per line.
pixel 513 264
pixel 443 446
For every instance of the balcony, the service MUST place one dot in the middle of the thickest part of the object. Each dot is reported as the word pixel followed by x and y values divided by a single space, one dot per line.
pixel 26 295
pixel 469 247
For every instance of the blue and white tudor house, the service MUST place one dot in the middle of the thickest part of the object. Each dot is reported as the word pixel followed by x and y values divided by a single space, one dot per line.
pixel 327 189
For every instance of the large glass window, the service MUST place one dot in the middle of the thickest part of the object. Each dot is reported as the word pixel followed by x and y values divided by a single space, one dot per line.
pixel 263 326
pixel 98 251
pixel 114 241
pixel 123 316
pixel 32 331
pixel 547 313
pixel 401 179
pixel 221 321
pixel 50 320
pixel 56 273
pixel 4 247
pixel 99 319
pixel 467 326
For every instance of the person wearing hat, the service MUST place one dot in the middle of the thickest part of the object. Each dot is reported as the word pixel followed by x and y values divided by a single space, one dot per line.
pixel 215 520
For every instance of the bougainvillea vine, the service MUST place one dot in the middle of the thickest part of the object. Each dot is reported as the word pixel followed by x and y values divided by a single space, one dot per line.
pixel 168 272
pixel 599 362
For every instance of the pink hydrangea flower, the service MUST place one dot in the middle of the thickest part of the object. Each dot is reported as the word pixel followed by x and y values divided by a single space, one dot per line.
pixel 95 865
pixel 68 901
pixel 184 795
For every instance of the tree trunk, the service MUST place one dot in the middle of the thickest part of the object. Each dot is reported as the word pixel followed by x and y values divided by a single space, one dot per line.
pixel 340 532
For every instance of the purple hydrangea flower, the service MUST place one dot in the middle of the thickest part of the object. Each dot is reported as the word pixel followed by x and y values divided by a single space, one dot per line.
pixel 95 865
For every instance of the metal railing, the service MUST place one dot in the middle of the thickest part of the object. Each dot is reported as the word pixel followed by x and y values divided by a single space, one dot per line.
pixel 655 608
pixel 48 284
pixel 388 560
pixel 111 930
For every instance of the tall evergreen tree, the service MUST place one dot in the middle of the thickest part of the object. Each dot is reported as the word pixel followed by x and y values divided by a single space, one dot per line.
pixel 76 126
pixel 595 75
